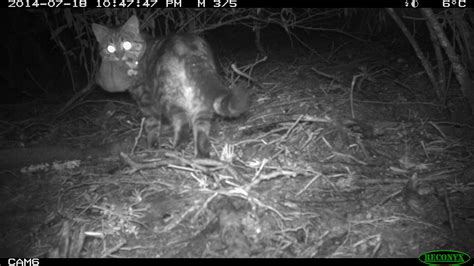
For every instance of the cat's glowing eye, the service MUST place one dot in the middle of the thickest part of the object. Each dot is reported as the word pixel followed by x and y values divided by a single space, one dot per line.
pixel 111 49
pixel 127 45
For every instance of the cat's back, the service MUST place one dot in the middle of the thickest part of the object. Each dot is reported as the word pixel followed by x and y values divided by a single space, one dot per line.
pixel 186 73
pixel 185 47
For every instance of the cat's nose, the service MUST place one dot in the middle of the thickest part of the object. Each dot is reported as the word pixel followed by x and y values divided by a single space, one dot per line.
pixel 120 55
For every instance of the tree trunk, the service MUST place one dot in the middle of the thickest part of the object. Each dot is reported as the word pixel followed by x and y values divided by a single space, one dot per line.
pixel 424 61
pixel 439 62
pixel 460 72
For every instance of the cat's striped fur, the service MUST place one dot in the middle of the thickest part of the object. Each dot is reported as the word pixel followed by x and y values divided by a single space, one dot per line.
pixel 174 77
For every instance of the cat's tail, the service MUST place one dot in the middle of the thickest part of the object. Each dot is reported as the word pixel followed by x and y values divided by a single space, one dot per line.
pixel 233 103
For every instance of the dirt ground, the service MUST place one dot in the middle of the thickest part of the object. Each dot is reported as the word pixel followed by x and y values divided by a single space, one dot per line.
pixel 341 154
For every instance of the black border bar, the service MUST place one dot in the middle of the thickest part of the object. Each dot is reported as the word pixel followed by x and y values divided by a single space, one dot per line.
pixel 411 4
pixel 209 262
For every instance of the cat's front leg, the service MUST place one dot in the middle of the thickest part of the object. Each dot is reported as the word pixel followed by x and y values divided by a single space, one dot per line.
pixel 152 130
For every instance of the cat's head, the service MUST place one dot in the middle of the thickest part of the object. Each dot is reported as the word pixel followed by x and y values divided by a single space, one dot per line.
pixel 124 44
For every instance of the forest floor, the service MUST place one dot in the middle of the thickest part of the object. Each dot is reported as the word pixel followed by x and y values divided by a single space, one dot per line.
pixel 340 155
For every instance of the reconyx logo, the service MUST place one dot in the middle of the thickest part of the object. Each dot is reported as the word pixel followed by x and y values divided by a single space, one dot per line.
pixel 442 257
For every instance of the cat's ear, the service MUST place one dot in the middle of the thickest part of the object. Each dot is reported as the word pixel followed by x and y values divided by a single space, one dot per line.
pixel 132 25
pixel 100 31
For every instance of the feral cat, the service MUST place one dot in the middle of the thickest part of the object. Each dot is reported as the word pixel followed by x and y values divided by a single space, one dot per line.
pixel 173 77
